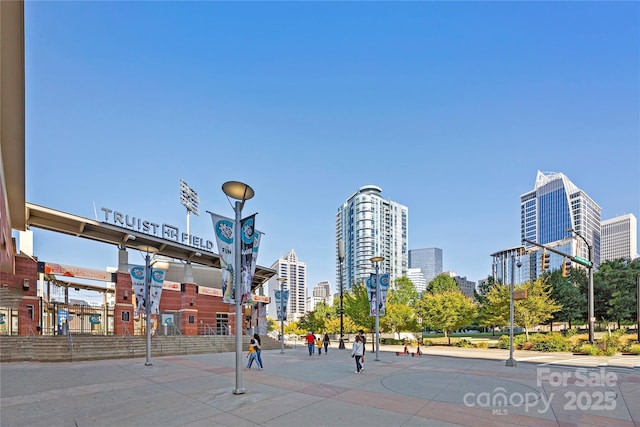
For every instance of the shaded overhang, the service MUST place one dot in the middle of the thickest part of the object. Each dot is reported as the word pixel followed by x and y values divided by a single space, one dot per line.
pixel 65 223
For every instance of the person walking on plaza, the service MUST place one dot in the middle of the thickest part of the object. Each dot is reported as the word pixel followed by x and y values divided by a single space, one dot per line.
pixel 319 345
pixel 258 350
pixel 363 339
pixel 325 341
pixel 311 342
pixel 253 354
pixel 357 351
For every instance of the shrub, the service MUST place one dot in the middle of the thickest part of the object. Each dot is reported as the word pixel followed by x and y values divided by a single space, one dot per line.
pixel 577 339
pixel 610 351
pixel 568 333
pixel 427 343
pixel 518 340
pixel 550 342
pixel 589 349
pixel 503 342
pixel 632 349
pixel 464 343
pixel 482 344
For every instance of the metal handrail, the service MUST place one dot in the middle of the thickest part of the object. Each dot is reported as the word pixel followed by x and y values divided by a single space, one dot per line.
pixel 208 330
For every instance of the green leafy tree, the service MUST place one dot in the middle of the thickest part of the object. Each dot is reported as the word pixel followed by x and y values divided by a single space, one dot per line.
pixel 403 292
pixel 293 328
pixel 356 306
pixel 616 285
pixel 442 283
pixel 536 309
pixel 398 318
pixel 573 303
pixel 485 317
pixel 446 311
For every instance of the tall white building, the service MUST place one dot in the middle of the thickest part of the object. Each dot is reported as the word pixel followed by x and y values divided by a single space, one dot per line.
pixel 546 212
pixel 295 273
pixel 417 278
pixel 369 226
pixel 619 238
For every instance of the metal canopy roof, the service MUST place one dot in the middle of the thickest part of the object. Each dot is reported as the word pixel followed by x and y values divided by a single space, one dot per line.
pixel 61 222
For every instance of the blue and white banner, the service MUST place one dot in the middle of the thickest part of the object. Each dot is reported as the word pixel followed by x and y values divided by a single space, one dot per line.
pixel 281 303
pixel 223 229
pixel 247 235
pixel 138 280
pixel 375 303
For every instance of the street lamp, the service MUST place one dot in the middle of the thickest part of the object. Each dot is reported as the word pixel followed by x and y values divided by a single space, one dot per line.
pixel 591 319
pixel 281 310
pixel 376 260
pixel 147 297
pixel 341 259
pixel 240 192
pixel 511 361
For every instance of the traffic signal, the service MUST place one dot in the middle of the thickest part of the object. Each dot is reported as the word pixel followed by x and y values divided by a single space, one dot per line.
pixel 544 261
pixel 566 268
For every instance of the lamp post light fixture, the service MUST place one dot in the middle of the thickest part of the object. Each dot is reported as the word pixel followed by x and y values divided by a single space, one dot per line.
pixel 511 361
pixel 282 312
pixel 240 192
pixel 147 297
pixel 376 260
pixel 341 259
pixel 590 314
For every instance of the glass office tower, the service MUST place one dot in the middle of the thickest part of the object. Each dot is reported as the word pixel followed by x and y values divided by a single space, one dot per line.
pixel 553 206
pixel 428 260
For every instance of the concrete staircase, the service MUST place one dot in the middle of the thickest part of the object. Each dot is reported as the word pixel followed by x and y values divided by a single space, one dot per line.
pixel 94 347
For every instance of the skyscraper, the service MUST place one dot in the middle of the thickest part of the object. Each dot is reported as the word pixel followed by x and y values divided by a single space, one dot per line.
pixel 417 278
pixel 369 226
pixel 295 272
pixel 553 206
pixel 428 260
pixel 619 238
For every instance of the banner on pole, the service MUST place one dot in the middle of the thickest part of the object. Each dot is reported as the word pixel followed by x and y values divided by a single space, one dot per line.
pixel 137 280
pixel 377 303
pixel 247 236
pixel 281 297
pixel 223 230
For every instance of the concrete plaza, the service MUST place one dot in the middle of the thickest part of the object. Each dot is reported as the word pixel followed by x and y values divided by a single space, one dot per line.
pixel 444 387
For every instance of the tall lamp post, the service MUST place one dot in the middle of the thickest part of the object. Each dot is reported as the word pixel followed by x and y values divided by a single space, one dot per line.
pixel 240 192
pixel 282 312
pixel 341 259
pixel 590 314
pixel 147 297
pixel 376 260
pixel 511 361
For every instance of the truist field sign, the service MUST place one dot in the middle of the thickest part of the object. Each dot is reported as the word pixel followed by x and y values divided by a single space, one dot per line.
pixel 163 231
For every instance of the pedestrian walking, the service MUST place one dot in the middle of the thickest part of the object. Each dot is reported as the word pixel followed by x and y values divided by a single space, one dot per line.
pixel 253 354
pixel 311 342
pixel 319 345
pixel 363 339
pixel 356 352
pixel 259 349
pixel 325 341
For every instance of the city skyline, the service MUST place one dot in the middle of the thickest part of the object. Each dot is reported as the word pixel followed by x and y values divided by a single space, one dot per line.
pixel 451 108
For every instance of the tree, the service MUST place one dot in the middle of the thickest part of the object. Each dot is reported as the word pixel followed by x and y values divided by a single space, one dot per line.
pixel 356 306
pixel 616 283
pixel 573 303
pixel 446 311
pixel 485 317
pixel 398 318
pixel 403 292
pixel 537 308
pixel 442 283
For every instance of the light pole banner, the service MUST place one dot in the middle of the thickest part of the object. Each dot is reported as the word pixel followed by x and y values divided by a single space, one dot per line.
pixel 247 235
pixel 281 303
pixel 223 229
pixel 137 280
pixel 256 245
pixel 157 279
pixel 374 304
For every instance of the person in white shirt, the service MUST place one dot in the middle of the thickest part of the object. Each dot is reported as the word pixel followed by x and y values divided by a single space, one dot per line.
pixel 358 349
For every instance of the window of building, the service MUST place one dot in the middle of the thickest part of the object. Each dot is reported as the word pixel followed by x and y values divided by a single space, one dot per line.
pixel 30 311
pixel 125 316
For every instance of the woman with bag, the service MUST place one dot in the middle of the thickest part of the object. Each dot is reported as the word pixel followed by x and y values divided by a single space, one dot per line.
pixel 253 354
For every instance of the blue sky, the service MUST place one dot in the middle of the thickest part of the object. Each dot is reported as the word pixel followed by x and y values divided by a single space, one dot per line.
pixel 450 107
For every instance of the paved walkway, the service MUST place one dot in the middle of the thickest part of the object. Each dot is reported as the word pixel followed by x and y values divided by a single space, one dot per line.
pixel 444 387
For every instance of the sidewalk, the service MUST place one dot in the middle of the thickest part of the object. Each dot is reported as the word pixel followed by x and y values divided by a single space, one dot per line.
pixel 444 387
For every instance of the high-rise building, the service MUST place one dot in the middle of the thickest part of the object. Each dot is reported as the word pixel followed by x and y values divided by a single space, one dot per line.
pixel 417 278
pixel 466 286
pixel 321 293
pixel 555 205
pixel 295 273
pixel 369 226
pixel 619 238
pixel 428 260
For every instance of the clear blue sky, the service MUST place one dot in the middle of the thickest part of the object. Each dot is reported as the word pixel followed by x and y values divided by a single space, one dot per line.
pixel 450 107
